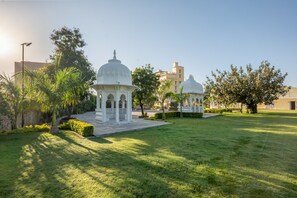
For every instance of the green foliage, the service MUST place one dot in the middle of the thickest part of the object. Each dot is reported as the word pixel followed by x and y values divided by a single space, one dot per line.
pixel 180 98
pixel 177 114
pixel 69 50
pixel 27 129
pixel 162 93
pixel 171 114
pixel 55 93
pixel 11 102
pixel 65 126
pixel 82 128
pixel 191 114
pixel 85 106
pixel 147 82
pixel 215 110
pixel 250 87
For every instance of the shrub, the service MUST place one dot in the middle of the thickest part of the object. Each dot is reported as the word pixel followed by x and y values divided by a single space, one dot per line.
pixel 190 114
pixel 82 128
pixel 28 129
pixel 177 114
pixel 167 114
pixel 64 124
pixel 85 106
pixel 214 110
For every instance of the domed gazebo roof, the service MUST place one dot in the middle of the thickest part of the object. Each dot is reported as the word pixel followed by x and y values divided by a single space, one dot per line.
pixel 113 73
pixel 191 86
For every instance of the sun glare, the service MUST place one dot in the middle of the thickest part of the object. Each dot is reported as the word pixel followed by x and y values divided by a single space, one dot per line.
pixel 5 45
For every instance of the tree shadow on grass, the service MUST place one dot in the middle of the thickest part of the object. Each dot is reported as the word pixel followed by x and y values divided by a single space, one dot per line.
pixel 187 159
pixel 52 167
pixel 10 152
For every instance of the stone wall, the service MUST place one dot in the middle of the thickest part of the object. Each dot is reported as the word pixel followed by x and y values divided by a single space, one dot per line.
pixel 32 117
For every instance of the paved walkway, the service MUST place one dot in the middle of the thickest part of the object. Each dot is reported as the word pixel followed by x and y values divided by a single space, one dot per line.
pixel 102 129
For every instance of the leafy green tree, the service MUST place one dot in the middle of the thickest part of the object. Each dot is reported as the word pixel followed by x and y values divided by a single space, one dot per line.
pixel 54 93
pixel 163 93
pixel 11 99
pixel 249 87
pixel 69 52
pixel 147 82
pixel 69 49
pixel 180 98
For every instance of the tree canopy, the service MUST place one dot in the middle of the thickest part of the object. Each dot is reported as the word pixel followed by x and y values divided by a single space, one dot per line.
pixel 69 51
pixel 247 86
pixel 147 82
pixel 55 93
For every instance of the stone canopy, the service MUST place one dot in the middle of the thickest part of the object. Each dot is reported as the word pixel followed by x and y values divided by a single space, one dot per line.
pixel 114 92
pixel 194 102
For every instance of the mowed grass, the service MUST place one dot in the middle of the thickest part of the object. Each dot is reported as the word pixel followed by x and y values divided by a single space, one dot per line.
pixel 234 155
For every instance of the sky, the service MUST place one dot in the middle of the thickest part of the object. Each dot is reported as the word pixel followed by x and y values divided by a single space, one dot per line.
pixel 201 35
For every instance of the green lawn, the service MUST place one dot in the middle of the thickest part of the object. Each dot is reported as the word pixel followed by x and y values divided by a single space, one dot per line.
pixel 230 155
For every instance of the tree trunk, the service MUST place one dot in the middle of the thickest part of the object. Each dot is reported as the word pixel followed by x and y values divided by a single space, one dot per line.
pixel 13 123
pixel 254 109
pixel 142 111
pixel 54 128
pixel 240 107
pixel 181 111
pixel 163 110
pixel 69 111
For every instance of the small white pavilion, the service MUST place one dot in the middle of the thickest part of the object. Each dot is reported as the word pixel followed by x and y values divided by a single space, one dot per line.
pixel 114 92
pixel 194 103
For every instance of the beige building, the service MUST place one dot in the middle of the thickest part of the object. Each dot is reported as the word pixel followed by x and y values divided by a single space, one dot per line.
pixel 287 102
pixel 27 66
pixel 176 76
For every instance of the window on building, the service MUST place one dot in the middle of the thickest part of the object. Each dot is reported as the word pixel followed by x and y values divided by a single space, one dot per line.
pixel 175 82
pixel 179 82
pixel 179 70
pixel 180 75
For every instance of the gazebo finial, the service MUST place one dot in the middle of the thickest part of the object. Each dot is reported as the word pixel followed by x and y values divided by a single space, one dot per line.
pixel 114 54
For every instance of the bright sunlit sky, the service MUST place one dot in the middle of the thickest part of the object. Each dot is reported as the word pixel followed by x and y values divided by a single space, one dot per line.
pixel 201 35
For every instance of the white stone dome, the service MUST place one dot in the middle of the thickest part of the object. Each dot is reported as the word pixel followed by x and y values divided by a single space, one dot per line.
pixel 114 72
pixel 191 86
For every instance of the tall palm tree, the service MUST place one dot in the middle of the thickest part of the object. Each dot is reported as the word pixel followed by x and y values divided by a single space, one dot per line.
pixel 11 97
pixel 55 92
pixel 180 98
pixel 162 94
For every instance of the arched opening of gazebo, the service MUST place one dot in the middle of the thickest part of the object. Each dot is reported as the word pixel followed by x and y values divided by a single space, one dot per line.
pixel 123 108
pixel 110 107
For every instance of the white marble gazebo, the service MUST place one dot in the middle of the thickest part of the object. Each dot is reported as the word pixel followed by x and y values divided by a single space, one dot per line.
pixel 114 92
pixel 194 103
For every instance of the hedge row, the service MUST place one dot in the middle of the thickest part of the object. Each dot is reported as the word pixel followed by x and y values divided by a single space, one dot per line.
pixel 27 129
pixel 177 114
pixel 82 128
pixel 207 110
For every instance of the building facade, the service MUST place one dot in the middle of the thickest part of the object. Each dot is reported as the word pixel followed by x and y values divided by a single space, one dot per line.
pixel 176 76
pixel 27 66
pixel 287 102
